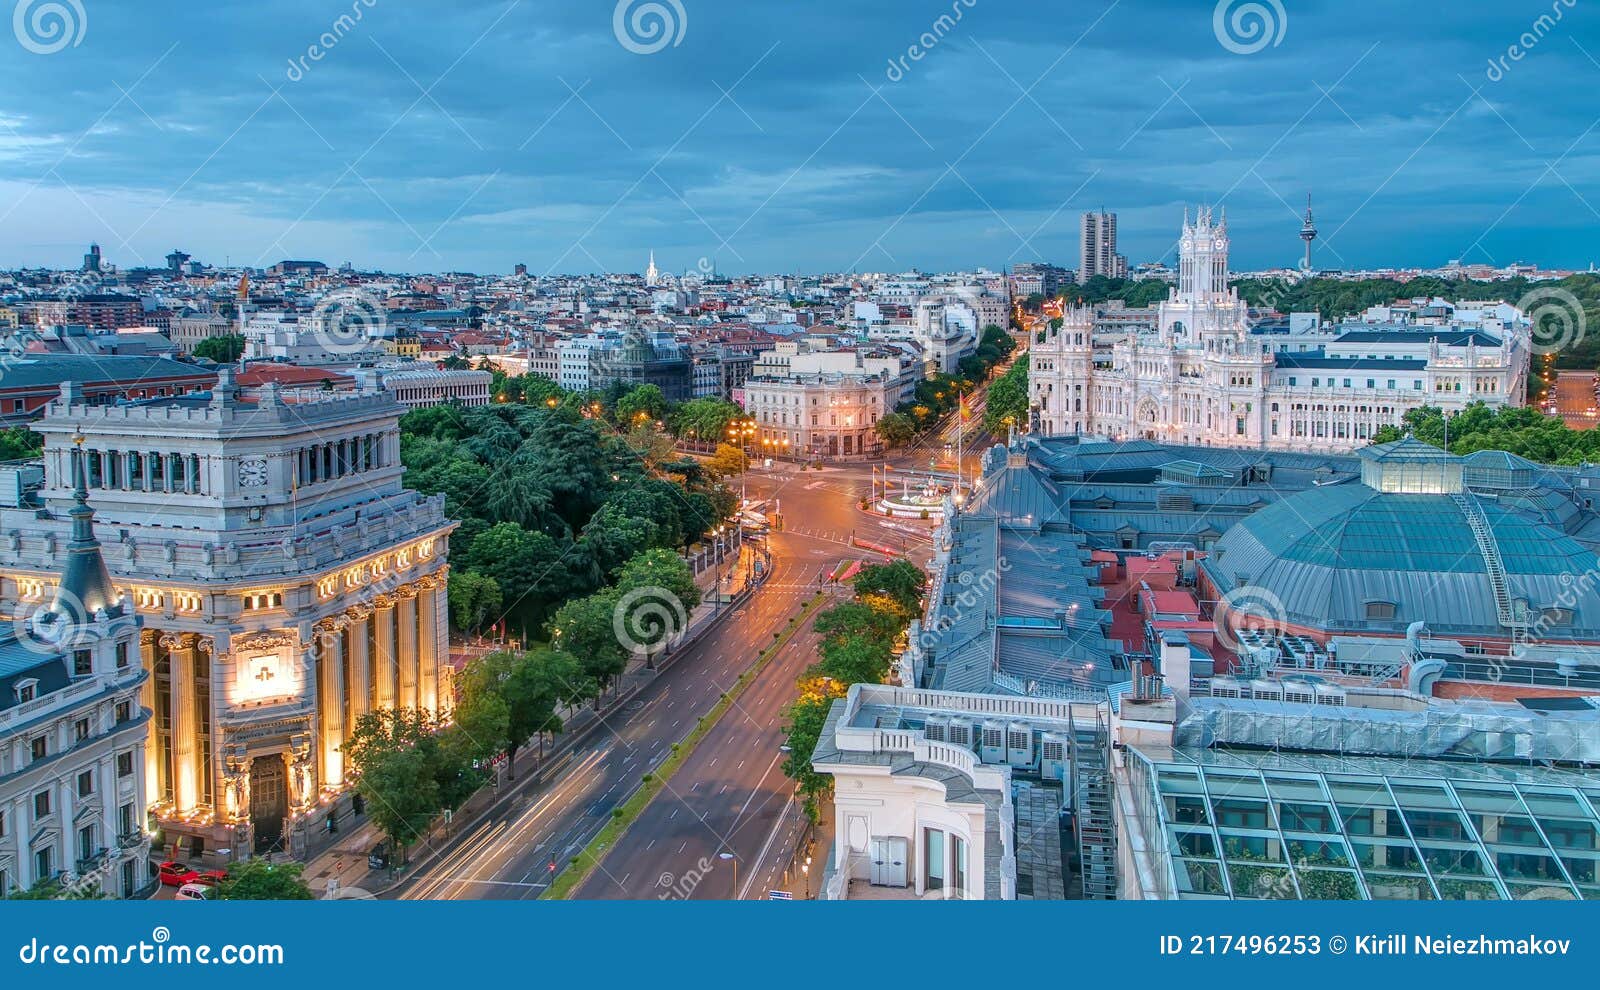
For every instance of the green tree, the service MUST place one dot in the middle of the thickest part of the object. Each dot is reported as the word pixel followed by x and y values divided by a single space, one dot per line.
pixel 854 659
pixel 644 403
pixel 727 461
pixel 705 420
pixel 896 429
pixel 482 712
pixel 260 880
pixel 586 628
pixel 20 443
pixel 474 600
pixel 656 594
pixel 226 349
pixel 805 719
pixel 1007 404
pixel 899 583
pixel 408 770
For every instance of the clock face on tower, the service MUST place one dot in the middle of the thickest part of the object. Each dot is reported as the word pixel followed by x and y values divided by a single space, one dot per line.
pixel 253 472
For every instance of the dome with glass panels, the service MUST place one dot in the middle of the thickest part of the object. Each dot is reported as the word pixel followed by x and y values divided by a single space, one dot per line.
pixel 1410 541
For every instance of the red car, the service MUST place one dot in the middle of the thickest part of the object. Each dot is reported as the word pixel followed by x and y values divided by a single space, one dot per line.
pixel 175 874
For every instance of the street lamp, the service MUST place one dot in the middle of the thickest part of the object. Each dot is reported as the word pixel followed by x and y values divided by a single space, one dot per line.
pixel 730 857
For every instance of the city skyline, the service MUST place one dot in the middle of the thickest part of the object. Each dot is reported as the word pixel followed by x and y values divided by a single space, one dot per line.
pixel 563 139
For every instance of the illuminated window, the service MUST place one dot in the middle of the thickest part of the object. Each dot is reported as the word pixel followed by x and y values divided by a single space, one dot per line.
pixel 150 598
pixel 30 589
pixel 327 587
pixel 187 601
pixel 262 600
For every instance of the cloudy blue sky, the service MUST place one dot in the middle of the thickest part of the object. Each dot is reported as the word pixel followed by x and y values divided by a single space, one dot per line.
pixel 784 137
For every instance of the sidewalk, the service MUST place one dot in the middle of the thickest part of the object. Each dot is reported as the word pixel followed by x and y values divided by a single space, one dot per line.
pixel 343 857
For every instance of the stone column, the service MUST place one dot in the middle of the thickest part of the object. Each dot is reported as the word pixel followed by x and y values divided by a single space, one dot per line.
pixel 383 657
pixel 360 686
pixel 331 700
pixel 406 647
pixel 431 587
pixel 148 648
pixel 185 744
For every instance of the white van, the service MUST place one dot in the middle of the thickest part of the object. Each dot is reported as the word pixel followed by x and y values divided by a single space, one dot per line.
pixel 196 892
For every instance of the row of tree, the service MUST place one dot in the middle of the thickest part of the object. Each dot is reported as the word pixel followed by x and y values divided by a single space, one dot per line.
pixel 1007 404
pixel 1523 431
pixel 935 397
pixel 859 641
pixel 410 766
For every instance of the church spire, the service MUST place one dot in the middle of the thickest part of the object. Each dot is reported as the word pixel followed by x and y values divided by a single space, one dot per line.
pixel 85 586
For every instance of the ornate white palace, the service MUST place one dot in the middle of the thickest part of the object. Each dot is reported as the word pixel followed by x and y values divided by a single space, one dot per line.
pixel 286 581
pixel 1203 374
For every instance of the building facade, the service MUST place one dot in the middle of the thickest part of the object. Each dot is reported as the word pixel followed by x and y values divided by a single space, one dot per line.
pixel 428 386
pixel 1204 374
pixel 288 584
pixel 825 416
pixel 72 785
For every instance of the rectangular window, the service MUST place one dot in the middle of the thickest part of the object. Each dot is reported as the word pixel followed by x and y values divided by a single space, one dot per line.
pixel 41 804
pixel 122 656
pixel 958 865
pixel 124 712
pixel 80 730
pixel 40 746
pixel 82 663
pixel 932 859
pixel 86 783
pixel 125 764
pixel 43 864
pixel 125 821
pixel 86 842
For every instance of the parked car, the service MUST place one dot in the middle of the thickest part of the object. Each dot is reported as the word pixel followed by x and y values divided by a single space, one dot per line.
pixel 176 874
pixel 196 892
pixel 378 858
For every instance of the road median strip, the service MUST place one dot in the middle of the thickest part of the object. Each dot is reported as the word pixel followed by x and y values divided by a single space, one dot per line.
pixel 622 817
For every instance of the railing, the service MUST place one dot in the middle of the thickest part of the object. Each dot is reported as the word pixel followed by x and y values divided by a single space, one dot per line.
pixel 1491 555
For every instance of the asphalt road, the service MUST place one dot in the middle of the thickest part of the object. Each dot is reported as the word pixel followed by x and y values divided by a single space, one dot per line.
pixel 508 855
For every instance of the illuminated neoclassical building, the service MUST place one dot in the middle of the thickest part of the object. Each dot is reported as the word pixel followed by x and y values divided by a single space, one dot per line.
pixel 286 581
pixel 1203 373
